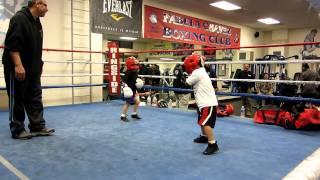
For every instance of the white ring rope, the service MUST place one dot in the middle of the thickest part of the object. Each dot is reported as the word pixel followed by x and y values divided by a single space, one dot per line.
pixel 270 81
pixel 267 62
pixel 239 62
pixel 208 62
pixel 73 75
pixel 70 75
pixel 70 61
pixel 242 80
pixel 173 77
pixel 79 62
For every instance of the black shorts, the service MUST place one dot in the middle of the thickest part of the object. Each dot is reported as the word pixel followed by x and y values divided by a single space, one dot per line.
pixel 207 116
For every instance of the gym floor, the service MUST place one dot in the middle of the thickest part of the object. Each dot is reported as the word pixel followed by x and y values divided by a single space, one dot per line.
pixel 91 143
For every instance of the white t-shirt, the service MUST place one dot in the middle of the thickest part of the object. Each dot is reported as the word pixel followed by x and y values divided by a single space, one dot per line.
pixel 202 88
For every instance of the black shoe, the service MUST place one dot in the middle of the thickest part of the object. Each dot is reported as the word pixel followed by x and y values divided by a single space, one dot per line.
pixel 23 135
pixel 136 116
pixel 124 118
pixel 201 139
pixel 211 149
pixel 43 132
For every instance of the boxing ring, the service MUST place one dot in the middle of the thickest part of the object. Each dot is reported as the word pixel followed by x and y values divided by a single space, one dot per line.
pixel 92 143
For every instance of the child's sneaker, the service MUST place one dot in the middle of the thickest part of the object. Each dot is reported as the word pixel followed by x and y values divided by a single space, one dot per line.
pixel 124 118
pixel 201 139
pixel 136 116
pixel 211 149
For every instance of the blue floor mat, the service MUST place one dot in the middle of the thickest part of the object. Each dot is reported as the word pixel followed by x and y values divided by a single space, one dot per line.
pixel 91 143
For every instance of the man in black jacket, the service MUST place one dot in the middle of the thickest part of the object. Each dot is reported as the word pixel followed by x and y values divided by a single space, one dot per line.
pixel 246 87
pixel 22 60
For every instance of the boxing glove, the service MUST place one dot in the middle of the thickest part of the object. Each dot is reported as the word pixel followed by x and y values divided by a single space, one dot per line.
pixel 127 92
pixel 139 83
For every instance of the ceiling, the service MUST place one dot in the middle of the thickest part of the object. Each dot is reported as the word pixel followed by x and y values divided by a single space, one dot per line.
pixel 291 13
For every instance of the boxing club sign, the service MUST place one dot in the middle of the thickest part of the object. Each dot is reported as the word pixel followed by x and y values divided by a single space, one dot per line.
pixel 170 26
pixel 113 69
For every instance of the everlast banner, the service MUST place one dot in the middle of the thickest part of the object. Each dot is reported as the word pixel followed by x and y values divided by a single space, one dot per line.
pixel 114 69
pixel 117 17
pixel 170 26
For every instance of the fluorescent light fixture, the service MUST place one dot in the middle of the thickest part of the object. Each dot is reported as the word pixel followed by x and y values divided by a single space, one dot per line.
pixel 128 38
pixel 167 59
pixel 225 5
pixel 269 21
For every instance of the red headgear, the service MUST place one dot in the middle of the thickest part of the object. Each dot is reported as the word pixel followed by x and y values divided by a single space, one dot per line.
pixel 132 63
pixel 192 62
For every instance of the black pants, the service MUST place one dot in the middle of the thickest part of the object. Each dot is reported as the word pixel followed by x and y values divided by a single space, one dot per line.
pixel 246 102
pixel 24 96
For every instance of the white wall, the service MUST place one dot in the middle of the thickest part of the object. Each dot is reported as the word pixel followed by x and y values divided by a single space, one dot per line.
pixel 57 35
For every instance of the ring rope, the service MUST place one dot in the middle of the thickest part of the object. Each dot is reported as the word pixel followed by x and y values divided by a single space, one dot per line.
pixel 224 48
pixel 241 80
pixel 209 62
pixel 74 85
pixel 71 75
pixel 76 51
pixel 173 77
pixel 80 62
pixel 179 50
pixel 241 62
pixel 70 61
pixel 67 86
pixel 271 81
pixel 278 98
pixel 279 62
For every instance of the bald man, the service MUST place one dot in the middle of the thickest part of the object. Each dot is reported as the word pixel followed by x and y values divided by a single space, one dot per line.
pixel 246 87
pixel 22 59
